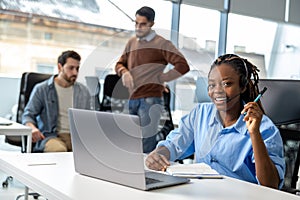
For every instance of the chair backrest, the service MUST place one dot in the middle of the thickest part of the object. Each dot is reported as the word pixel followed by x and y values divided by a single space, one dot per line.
pixel 115 94
pixel 291 144
pixel 94 88
pixel 281 104
pixel 28 81
pixel 166 122
pixel 201 94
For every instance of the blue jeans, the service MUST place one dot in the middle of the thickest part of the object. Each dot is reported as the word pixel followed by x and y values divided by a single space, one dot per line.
pixel 149 110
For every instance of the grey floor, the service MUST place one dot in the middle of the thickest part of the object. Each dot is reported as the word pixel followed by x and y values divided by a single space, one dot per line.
pixel 15 188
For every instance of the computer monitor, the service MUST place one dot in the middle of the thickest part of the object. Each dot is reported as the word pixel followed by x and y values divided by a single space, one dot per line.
pixel 281 101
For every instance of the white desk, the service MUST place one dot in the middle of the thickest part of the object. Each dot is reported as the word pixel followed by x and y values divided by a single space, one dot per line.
pixel 16 129
pixel 61 182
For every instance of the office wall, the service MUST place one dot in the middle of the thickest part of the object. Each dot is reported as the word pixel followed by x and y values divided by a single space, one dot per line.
pixel 9 93
pixel 267 9
pixel 294 14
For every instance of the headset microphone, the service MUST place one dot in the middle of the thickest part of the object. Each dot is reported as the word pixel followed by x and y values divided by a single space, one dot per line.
pixel 229 99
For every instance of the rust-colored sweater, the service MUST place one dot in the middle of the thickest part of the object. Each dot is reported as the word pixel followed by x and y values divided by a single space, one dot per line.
pixel 146 61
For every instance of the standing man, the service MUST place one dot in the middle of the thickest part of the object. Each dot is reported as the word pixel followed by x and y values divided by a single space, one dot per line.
pixel 142 66
pixel 47 109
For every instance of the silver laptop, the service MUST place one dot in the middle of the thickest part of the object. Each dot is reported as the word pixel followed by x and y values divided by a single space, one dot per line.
pixel 109 147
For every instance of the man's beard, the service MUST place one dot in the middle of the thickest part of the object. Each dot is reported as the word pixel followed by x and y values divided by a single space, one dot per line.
pixel 71 79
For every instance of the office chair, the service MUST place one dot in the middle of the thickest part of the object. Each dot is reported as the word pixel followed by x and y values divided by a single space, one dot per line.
pixel 94 88
pixel 115 95
pixel 281 104
pixel 166 121
pixel 291 142
pixel 28 81
pixel 201 94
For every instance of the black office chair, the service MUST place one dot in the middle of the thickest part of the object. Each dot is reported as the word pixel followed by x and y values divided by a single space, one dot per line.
pixel 291 142
pixel 115 95
pixel 166 122
pixel 28 81
pixel 94 88
pixel 281 104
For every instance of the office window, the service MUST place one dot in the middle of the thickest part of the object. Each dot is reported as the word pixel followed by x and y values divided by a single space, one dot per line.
pixel 48 36
pixel 252 38
pixel 122 16
pixel 198 38
pixel 276 43
pixel 270 45
pixel 194 24
pixel 285 53
pixel 45 68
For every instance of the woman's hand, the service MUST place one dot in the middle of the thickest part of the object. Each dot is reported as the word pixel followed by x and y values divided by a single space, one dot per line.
pixel 157 161
pixel 266 171
pixel 252 117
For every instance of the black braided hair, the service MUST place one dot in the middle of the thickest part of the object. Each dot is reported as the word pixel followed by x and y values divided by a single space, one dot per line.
pixel 248 75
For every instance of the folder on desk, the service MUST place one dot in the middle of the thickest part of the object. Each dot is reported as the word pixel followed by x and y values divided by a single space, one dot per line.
pixel 196 170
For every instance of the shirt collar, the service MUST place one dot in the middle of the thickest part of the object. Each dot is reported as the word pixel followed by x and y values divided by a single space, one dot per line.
pixel 51 80
pixel 148 37
pixel 240 125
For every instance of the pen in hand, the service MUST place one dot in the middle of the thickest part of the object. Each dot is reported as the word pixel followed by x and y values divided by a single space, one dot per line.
pixel 258 96
pixel 164 169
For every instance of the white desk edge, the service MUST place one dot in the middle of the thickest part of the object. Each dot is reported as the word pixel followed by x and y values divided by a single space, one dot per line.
pixel 60 181
pixel 17 129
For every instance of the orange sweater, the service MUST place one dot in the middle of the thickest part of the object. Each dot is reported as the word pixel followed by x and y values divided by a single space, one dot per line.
pixel 146 62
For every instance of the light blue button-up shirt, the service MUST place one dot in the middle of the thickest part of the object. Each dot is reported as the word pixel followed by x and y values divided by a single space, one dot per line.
pixel 227 150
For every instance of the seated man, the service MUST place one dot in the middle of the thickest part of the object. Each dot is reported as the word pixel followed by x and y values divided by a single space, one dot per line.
pixel 47 109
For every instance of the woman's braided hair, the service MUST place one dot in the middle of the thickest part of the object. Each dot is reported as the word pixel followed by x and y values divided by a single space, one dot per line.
pixel 248 75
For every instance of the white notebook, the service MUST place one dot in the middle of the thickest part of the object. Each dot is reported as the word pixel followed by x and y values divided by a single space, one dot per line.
pixel 196 170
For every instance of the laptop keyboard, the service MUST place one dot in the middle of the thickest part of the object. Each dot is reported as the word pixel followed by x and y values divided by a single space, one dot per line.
pixel 151 180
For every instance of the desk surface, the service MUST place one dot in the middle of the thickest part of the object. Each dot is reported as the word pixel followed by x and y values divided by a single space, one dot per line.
pixel 16 129
pixel 59 181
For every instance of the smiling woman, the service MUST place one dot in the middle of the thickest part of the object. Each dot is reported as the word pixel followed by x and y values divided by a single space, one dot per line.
pixel 220 135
